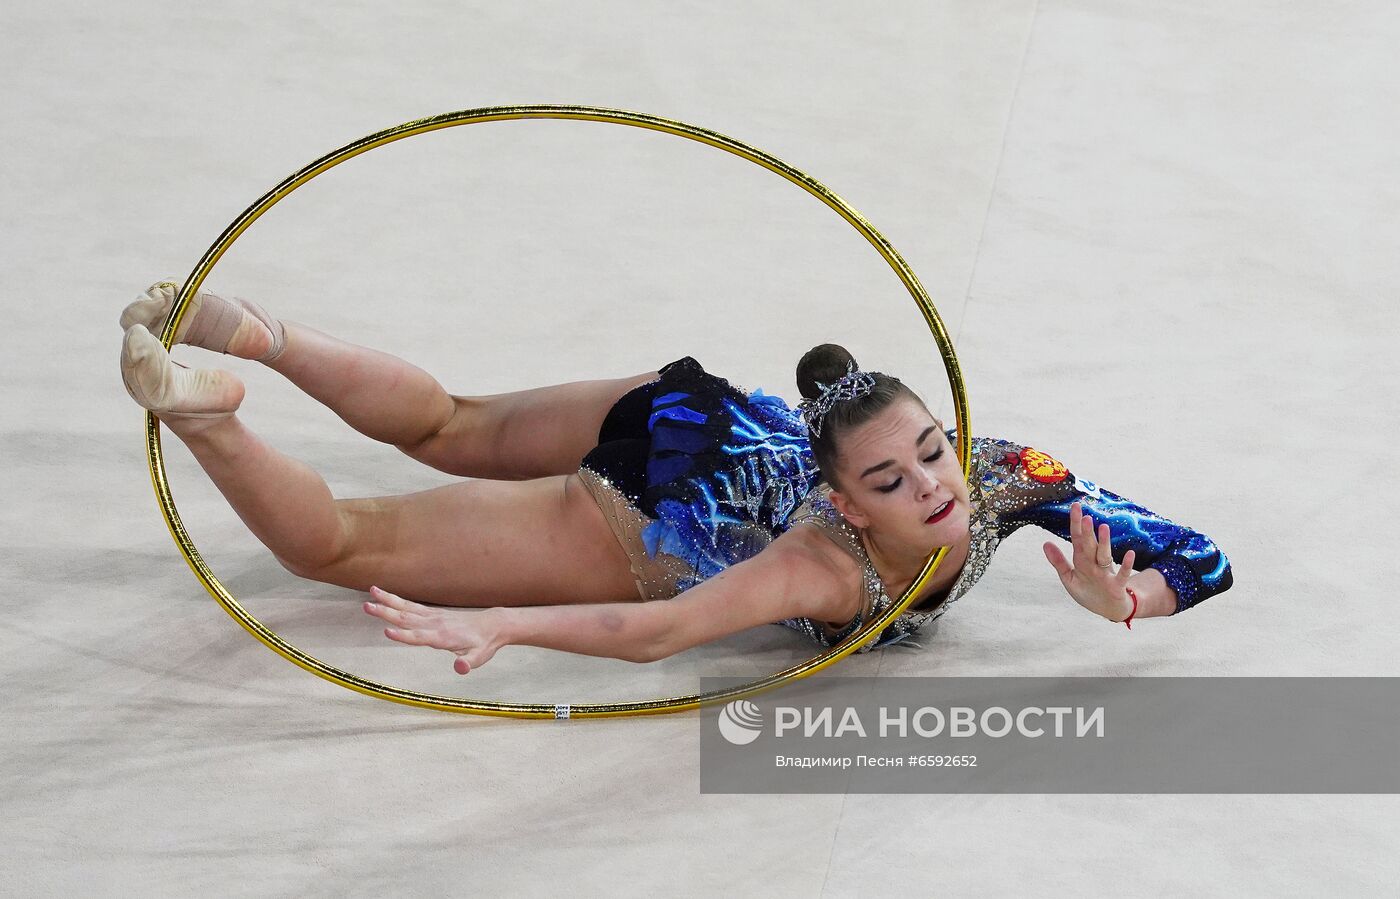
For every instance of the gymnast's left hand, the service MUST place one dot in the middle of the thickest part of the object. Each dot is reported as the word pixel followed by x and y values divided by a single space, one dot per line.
pixel 1097 588
pixel 469 633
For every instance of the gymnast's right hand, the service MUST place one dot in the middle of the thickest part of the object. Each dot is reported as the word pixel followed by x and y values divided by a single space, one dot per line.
pixel 467 633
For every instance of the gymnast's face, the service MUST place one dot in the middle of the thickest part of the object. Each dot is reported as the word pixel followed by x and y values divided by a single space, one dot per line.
pixel 898 469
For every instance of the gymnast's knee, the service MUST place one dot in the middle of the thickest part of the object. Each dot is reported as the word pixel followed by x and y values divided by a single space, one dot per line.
pixel 321 572
pixel 331 563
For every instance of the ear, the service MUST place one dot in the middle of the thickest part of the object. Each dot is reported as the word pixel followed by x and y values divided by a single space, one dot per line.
pixel 848 510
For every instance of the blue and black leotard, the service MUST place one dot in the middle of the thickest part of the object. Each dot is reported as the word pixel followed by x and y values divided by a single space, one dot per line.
pixel 695 474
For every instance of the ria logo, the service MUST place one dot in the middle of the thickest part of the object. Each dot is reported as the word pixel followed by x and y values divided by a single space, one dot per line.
pixel 741 722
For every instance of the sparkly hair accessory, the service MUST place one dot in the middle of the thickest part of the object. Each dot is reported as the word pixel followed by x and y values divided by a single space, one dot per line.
pixel 854 383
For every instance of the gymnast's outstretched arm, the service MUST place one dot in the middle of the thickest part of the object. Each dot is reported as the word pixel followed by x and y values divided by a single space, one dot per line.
pixel 780 582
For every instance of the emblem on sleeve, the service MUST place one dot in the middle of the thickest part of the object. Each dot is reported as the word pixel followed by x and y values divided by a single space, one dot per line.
pixel 1089 488
pixel 1041 467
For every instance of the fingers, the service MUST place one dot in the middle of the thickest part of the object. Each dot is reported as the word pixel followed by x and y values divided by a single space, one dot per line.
pixel 419 625
pixel 1127 571
pixel 1082 536
pixel 1058 561
pixel 415 637
pixel 393 616
pixel 393 601
pixel 396 609
pixel 1093 546
pixel 435 638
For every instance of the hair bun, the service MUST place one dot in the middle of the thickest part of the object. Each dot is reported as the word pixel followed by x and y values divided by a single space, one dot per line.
pixel 827 363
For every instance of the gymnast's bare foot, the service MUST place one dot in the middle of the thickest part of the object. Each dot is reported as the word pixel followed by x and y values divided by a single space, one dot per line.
pixel 172 391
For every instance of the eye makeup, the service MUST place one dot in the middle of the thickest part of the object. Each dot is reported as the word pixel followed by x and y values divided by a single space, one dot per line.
pixel 890 488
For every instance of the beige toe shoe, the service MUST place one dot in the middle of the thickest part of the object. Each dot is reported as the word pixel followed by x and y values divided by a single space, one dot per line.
pixel 172 390
pixel 211 321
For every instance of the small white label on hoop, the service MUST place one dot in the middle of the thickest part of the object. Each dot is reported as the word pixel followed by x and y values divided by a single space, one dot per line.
pixel 561 711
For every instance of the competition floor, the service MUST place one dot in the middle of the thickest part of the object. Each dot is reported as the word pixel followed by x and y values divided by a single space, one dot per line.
pixel 1162 238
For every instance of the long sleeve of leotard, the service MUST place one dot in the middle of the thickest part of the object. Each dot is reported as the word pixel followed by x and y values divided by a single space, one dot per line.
pixel 1037 489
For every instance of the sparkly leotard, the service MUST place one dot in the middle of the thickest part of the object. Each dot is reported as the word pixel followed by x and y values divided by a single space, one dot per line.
pixel 695 475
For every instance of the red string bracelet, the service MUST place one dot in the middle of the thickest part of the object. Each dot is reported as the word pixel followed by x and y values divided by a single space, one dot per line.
pixel 1129 620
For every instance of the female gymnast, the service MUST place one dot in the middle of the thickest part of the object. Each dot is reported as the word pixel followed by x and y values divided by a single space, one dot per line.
pixel 590 499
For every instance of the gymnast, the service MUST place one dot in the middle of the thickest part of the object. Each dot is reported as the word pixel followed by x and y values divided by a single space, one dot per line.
pixel 589 500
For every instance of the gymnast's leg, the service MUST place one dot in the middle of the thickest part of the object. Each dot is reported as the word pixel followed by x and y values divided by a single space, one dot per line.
pixel 519 435
pixel 282 500
pixel 509 436
pixel 474 543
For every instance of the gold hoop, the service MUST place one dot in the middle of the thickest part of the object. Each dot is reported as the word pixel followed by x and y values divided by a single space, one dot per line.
pixel 539 710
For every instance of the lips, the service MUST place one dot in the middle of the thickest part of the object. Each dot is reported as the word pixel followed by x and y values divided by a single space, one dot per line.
pixel 941 514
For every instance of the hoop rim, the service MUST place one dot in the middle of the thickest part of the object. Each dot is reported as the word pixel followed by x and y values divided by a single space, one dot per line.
pixel 351 681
